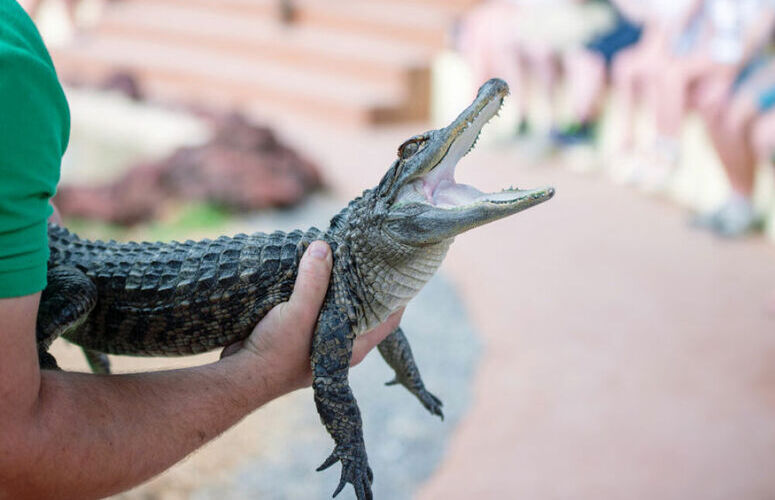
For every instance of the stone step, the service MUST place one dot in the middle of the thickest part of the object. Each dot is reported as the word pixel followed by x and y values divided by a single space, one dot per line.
pixel 313 48
pixel 418 23
pixel 457 5
pixel 206 76
pixel 349 60
pixel 424 24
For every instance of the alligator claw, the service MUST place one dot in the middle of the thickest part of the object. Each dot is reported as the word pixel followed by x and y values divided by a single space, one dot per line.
pixel 430 402
pixel 355 470
pixel 331 460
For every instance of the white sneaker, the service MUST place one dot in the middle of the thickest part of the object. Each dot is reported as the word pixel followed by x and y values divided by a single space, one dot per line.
pixel 735 218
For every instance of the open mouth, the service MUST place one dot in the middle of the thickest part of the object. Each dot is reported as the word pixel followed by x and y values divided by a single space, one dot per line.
pixel 438 187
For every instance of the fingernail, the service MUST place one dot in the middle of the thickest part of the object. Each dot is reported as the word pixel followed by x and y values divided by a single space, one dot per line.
pixel 319 250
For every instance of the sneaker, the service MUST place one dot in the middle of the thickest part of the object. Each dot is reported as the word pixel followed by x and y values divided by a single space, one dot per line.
pixel 523 128
pixel 735 218
pixel 574 134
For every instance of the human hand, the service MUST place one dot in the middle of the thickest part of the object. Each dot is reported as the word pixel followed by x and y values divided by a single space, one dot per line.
pixel 282 340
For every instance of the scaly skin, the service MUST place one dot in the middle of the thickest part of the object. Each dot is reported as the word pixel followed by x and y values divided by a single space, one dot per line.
pixel 167 299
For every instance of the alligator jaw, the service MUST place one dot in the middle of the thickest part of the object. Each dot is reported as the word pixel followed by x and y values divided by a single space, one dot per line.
pixel 438 206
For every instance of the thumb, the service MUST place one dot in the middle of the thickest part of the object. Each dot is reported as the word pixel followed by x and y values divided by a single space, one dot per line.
pixel 312 279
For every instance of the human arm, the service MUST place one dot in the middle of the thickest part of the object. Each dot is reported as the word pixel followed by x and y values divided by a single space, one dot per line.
pixel 68 435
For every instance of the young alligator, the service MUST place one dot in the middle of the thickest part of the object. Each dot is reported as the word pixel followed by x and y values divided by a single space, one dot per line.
pixel 165 299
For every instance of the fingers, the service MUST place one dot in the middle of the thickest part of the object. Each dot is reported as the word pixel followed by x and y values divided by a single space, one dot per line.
pixel 309 291
pixel 231 349
pixel 387 327
pixel 369 340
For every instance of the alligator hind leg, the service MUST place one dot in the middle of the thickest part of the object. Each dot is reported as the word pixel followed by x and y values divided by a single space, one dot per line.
pixel 336 405
pixel 397 353
pixel 98 361
pixel 46 360
pixel 65 304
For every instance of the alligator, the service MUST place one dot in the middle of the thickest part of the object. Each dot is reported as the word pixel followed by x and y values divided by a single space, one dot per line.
pixel 179 298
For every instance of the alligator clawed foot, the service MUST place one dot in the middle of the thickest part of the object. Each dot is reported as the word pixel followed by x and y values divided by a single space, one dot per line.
pixel 355 469
pixel 430 402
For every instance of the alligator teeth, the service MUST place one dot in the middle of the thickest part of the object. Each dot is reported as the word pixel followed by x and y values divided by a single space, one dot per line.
pixel 473 145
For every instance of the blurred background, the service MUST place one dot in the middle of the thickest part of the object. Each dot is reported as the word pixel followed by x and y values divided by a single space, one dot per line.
pixel 617 342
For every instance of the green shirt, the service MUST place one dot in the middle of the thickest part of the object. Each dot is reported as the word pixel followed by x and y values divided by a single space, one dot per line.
pixel 34 130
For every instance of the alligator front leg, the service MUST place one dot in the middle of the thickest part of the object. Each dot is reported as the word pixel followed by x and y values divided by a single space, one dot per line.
pixel 336 405
pixel 397 353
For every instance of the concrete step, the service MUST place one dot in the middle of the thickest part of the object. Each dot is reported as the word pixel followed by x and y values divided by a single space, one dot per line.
pixel 418 23
pixel 313 48
pixel 196 75
pixel 349 60
pixel 457 5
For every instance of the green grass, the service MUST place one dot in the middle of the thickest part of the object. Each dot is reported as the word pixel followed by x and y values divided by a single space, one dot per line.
pixel 191 217
pixel 181 223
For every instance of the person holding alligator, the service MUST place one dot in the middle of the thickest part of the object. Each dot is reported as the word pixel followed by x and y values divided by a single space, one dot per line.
pixel 70 435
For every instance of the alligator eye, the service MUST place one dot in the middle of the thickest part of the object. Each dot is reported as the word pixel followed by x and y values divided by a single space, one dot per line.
pixel 408 149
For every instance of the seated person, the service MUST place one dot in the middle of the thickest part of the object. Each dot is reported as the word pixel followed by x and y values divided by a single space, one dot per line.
pixel 664 37
pixel 519 40
pixel 739 131
pixel 588 70
pixel 488 41
pixel 723 35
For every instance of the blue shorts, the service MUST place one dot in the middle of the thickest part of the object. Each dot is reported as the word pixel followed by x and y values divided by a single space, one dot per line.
pixel 753 66
pixel 766 100
pixel 622 35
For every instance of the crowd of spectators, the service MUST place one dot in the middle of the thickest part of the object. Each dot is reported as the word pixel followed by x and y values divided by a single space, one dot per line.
pixel 713 58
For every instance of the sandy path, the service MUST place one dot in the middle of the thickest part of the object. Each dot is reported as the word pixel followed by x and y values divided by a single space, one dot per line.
pixel 626 356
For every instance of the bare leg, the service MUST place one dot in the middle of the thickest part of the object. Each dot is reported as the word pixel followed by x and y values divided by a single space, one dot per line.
pixel 729 126
pixel 675 85
pixel 489 44
pixel 71 6
pixel 632 79
pixel 586 73
pixel 623 83
pixel 543 63
pixel 763 136
pixel 730 131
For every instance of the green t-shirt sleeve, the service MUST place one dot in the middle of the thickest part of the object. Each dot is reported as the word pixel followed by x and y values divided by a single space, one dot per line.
pixel 34 130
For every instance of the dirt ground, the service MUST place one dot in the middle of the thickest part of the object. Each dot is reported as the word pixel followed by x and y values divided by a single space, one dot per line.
pixel 626 356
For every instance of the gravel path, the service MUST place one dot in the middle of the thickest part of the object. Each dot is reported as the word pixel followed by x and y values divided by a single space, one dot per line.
pixel 404 442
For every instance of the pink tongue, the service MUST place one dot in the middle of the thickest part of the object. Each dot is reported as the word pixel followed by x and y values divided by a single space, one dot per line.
pixel 451 193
